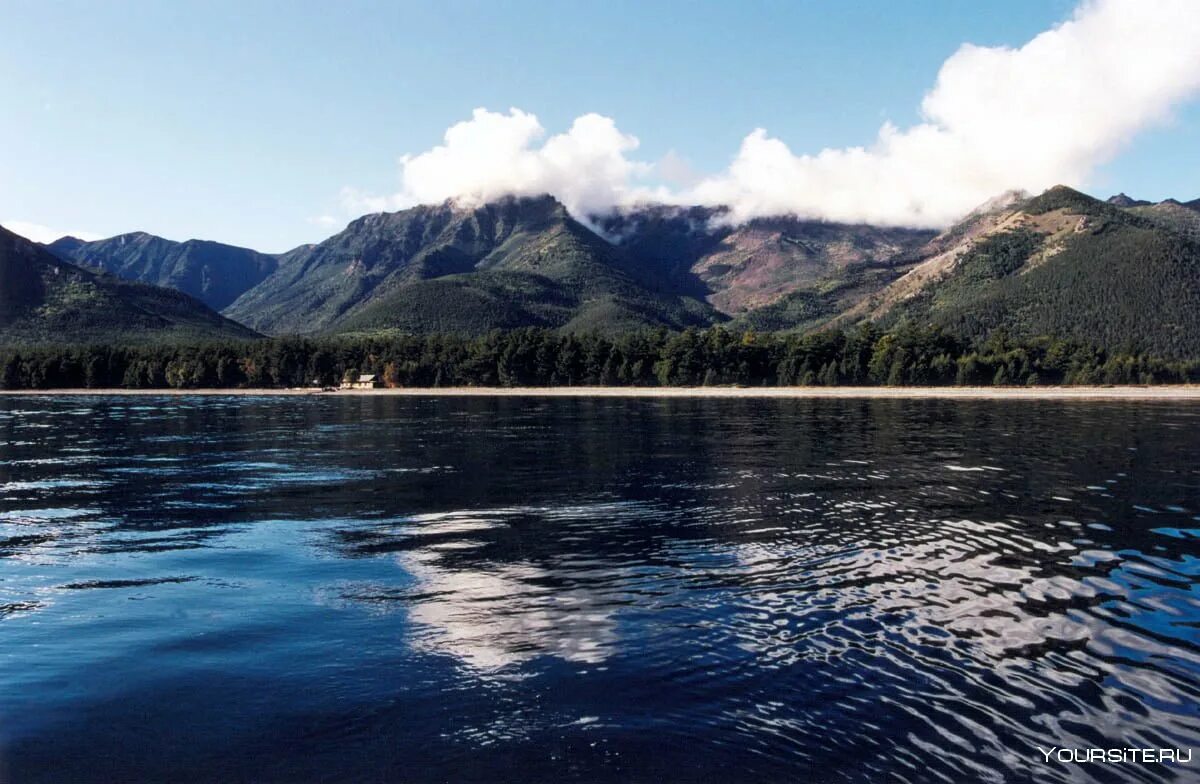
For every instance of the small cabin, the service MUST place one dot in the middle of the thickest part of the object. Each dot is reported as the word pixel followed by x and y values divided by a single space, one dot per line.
pixel 365 381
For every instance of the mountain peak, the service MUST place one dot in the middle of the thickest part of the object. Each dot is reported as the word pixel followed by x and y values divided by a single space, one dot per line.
pixel 1122 200
pixel 538 208
pixel 67 244
pixel 1003 201
pixel 138 236
pixel 542 206
pixel 1060 197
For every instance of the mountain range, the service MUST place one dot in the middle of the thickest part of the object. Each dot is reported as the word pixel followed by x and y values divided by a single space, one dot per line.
pixel 45 299
pixel 213 273
pixel 517 262
pixel 1117 273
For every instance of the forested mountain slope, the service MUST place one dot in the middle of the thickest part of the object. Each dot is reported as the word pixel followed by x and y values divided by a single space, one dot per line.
pixel 1061 264
pixel 214 273
pixel 44 299
pixel 516 262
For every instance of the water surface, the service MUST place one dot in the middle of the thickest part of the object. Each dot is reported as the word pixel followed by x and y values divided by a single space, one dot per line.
pixel 507 589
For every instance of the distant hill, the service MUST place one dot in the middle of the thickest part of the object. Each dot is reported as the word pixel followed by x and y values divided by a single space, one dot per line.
pixel 1173 216
pixel 44 299
pixel 516 262
pixel 1121 200
pixel 213 273
pixel 1061 264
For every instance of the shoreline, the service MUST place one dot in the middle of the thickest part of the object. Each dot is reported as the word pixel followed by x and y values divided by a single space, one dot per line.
pixel 1169 393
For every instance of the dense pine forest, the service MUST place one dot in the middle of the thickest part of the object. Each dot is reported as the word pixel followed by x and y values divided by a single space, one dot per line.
pixel 865 355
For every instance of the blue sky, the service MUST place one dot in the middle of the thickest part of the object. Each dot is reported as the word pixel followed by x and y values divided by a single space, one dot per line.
pixel 246 121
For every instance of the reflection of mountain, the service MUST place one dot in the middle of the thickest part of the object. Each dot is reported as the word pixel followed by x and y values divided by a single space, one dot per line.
pixel 493 618
pixel 492 614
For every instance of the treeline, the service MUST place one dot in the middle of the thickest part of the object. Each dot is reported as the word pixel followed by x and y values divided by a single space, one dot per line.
pixel 536 357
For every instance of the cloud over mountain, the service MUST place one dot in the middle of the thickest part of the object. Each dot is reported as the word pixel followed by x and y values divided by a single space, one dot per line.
pixel 494 155
pixel 996 118
pixel 39 233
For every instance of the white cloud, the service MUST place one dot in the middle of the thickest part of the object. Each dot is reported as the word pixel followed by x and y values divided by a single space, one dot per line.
pixel 45 234
pixel 356 202
pixel 494 155
pixel 325 221
pixel 996 119
pixel 676 170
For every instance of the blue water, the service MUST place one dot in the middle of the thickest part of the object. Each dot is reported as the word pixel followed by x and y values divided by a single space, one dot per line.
pixel 393 589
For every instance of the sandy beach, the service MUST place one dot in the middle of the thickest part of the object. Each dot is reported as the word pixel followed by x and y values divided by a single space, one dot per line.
pixel 1170 393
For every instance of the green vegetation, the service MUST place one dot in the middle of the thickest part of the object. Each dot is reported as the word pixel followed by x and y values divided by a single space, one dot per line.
pixel 1119 283
pixel 542 357
pixel 999 255
pixel 477 303
pixel 811 308
pixel 793 311
pixel 1060 197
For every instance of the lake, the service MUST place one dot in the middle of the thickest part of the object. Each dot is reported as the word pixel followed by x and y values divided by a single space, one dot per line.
pixel 522 589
